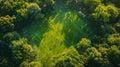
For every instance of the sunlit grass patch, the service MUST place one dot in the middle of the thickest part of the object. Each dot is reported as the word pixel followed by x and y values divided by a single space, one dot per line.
pixel 64 28
pixel 51 44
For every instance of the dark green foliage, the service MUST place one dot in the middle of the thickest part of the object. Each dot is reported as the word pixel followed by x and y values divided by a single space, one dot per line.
pixel 21 51
pixel 5 54
pixel 27 13
pixel 31 64
pixel 46 6
pixel 11 36
pixel 69 58
pixel 117 26
pixel 96 59
pixel 83 45
pixel 90 5
pixel 114 56
pixel 114 39
pixel 66 24
pixel 14 54
pixel 115 2
pixel 105 13
pixel 8 17
pixel 6 24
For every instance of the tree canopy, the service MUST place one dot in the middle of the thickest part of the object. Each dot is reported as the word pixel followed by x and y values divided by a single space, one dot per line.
pixel 59 33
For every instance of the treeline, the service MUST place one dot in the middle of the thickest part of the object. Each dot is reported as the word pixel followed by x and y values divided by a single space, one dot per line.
pixel 15 15
pixel 99 50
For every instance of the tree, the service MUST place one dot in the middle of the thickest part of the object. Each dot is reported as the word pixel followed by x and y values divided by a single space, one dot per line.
pixel 29 9
pixel 69 58
pixel 31 64
pixel 83 44
pixel 104 62
pixel 8 37
pixel 28 13
pixel 21 51
pixel 104 13
pixel 117 26
pixel 93 56
pixel 114 56
pixel 6 24
pixel 115 2
pixel 101 14
pixel 6 7
pixel 22 10
pixel 114 39
pixel 46 6
pixel 5 54
pixel 113 11
pixel 90 5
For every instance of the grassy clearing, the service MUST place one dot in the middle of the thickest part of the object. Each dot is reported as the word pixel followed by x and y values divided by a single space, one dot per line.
pixel 54 36
pixel 51 44
pixel 63 29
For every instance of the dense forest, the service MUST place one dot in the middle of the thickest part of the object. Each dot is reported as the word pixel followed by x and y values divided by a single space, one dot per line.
pixel 59 33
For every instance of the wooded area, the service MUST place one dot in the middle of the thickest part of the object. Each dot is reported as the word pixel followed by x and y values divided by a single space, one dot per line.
pixel 59 33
